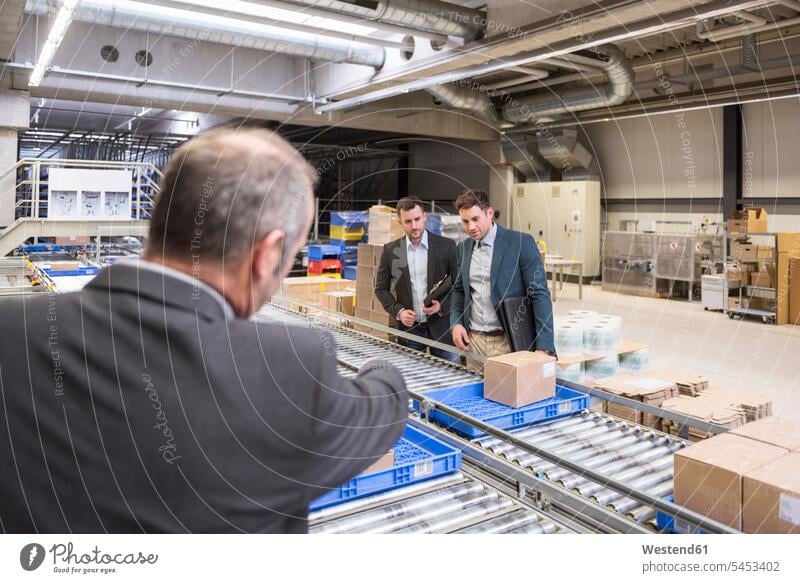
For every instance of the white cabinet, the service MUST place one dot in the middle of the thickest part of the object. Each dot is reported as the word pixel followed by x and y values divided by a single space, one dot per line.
pixel 566 215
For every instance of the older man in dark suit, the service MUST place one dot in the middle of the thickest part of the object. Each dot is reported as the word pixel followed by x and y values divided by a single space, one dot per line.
pixel 148 402
pixel 409 268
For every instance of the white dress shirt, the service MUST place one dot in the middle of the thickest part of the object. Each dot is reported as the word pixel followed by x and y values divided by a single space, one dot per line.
pixel 482 316
pixel 418 270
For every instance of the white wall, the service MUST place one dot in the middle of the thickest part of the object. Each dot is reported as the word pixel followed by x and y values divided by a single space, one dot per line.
pixel 771 149
pixel 676 155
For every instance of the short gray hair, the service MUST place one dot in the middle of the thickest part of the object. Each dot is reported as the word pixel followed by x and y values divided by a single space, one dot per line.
pixel 224 191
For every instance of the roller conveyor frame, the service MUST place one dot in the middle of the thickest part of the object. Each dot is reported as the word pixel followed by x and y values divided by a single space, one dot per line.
pixel 576 512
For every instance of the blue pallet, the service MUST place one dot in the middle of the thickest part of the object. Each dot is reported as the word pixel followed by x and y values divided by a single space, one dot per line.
pixel 320 252
pixel 418 456
pixel 673 525
pixel 469 400
pixel 350 218
pixel 350 272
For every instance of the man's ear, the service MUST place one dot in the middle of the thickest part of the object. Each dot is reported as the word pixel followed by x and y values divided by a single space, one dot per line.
pixel 490 213
pixel 267 255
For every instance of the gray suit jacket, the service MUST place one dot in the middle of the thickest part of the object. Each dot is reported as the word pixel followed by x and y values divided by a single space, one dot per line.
pixel 136 406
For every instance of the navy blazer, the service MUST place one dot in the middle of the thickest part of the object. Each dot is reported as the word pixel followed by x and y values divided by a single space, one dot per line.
pixel 517 270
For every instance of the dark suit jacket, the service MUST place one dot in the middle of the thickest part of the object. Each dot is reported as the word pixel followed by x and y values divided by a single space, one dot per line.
pixel 517 270
pixel 393 275
pixel 136 406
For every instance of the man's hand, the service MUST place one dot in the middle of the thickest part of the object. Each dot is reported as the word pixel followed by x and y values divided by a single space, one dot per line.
pixel 435 308
pixel 460 337
pixel 542 352
pixel 407 318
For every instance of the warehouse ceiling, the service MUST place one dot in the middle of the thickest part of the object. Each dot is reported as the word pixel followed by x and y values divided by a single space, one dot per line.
pixel 464 69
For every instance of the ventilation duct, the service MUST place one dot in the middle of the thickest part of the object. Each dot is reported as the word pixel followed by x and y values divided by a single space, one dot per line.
pixel 561 148
pixel 619 87
pixel 162 20
pixel 466 98
pixel 428 15
pixel 523 154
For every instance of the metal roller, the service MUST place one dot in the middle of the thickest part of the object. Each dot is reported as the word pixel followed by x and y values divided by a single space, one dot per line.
pixel 445 522
pixel 574 482
pixel 582 455
pixel 504 523
pixel 541 527
pixel 558 474
pixel 489 441
pixel 570 444
pixel 399 509
pixel 425 516
pixel 586 424
pixel 385 497
pixel 634 471
pixel 661 490
pixel 648 480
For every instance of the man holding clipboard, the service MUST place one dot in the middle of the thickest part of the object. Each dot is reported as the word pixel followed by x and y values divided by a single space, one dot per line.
pixel 414 279
pixel 500 279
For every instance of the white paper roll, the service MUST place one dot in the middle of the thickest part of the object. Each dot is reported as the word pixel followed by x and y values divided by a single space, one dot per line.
pixel 584 314
pixel 569 340
pixel 615 321
pixel 601 339
pixel 602 367
pixel 572 372
pixel 635 361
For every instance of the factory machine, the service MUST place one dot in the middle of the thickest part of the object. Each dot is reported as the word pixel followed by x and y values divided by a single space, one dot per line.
pixel 585 472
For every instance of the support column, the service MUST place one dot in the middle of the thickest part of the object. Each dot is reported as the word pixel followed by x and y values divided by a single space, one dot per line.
pixel 14 115
pixel 731 159
pixel 501 182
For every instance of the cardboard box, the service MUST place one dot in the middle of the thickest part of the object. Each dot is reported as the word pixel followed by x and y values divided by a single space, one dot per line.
pixel 365 275
pixel 708 475
pixel 309 290
pixel 340 301
pixel 648 387
pixel 794 292
pixel 369 254
pixel 771 497
pixel 788 250
pixel 760 279
pixel 753 405
pixel 519 378
pixel 384 463
pixel 383 225
pixel 774 431
pixel 753 220
pixel 64 266
pixel 744 251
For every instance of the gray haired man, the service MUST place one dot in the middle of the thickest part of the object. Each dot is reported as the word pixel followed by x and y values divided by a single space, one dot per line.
pixel 148 402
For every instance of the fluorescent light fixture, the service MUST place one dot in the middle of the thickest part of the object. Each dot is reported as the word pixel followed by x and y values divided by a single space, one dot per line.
pixel 54 38
pixel 279 14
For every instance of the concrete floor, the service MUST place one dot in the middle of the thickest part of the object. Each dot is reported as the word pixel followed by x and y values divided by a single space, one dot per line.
pixel 740 354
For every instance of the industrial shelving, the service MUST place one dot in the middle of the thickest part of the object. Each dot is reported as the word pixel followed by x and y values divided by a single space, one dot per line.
pixel 746 292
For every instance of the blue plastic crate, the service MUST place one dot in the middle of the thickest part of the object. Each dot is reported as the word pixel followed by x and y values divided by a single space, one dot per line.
pixel 469 400
pixel 320 252
pixel 88 270
pixel 350 218
pixel 673 525
pixel 350 272
pixel 345 244
pixel 418 456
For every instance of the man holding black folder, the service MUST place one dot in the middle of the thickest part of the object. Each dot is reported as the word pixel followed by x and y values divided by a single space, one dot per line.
pixel 499 270
pixel 419 268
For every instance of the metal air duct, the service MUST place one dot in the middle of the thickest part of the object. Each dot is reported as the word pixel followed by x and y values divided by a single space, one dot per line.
pixel 162 20
pixel 619 87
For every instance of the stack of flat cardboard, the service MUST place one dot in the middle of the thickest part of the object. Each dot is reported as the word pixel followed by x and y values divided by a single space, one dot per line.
pixel 688 384
pixel 383 225
pixel 309 291
pixel 754 405
pixel 367 305
pixel 717 411
pixel 645 387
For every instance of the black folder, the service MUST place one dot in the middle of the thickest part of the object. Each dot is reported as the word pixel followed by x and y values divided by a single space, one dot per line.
pixel 438 291
pixel 516 318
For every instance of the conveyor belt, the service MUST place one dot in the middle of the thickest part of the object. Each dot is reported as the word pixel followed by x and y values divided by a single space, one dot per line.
pixel 630 453
pixel 456 503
